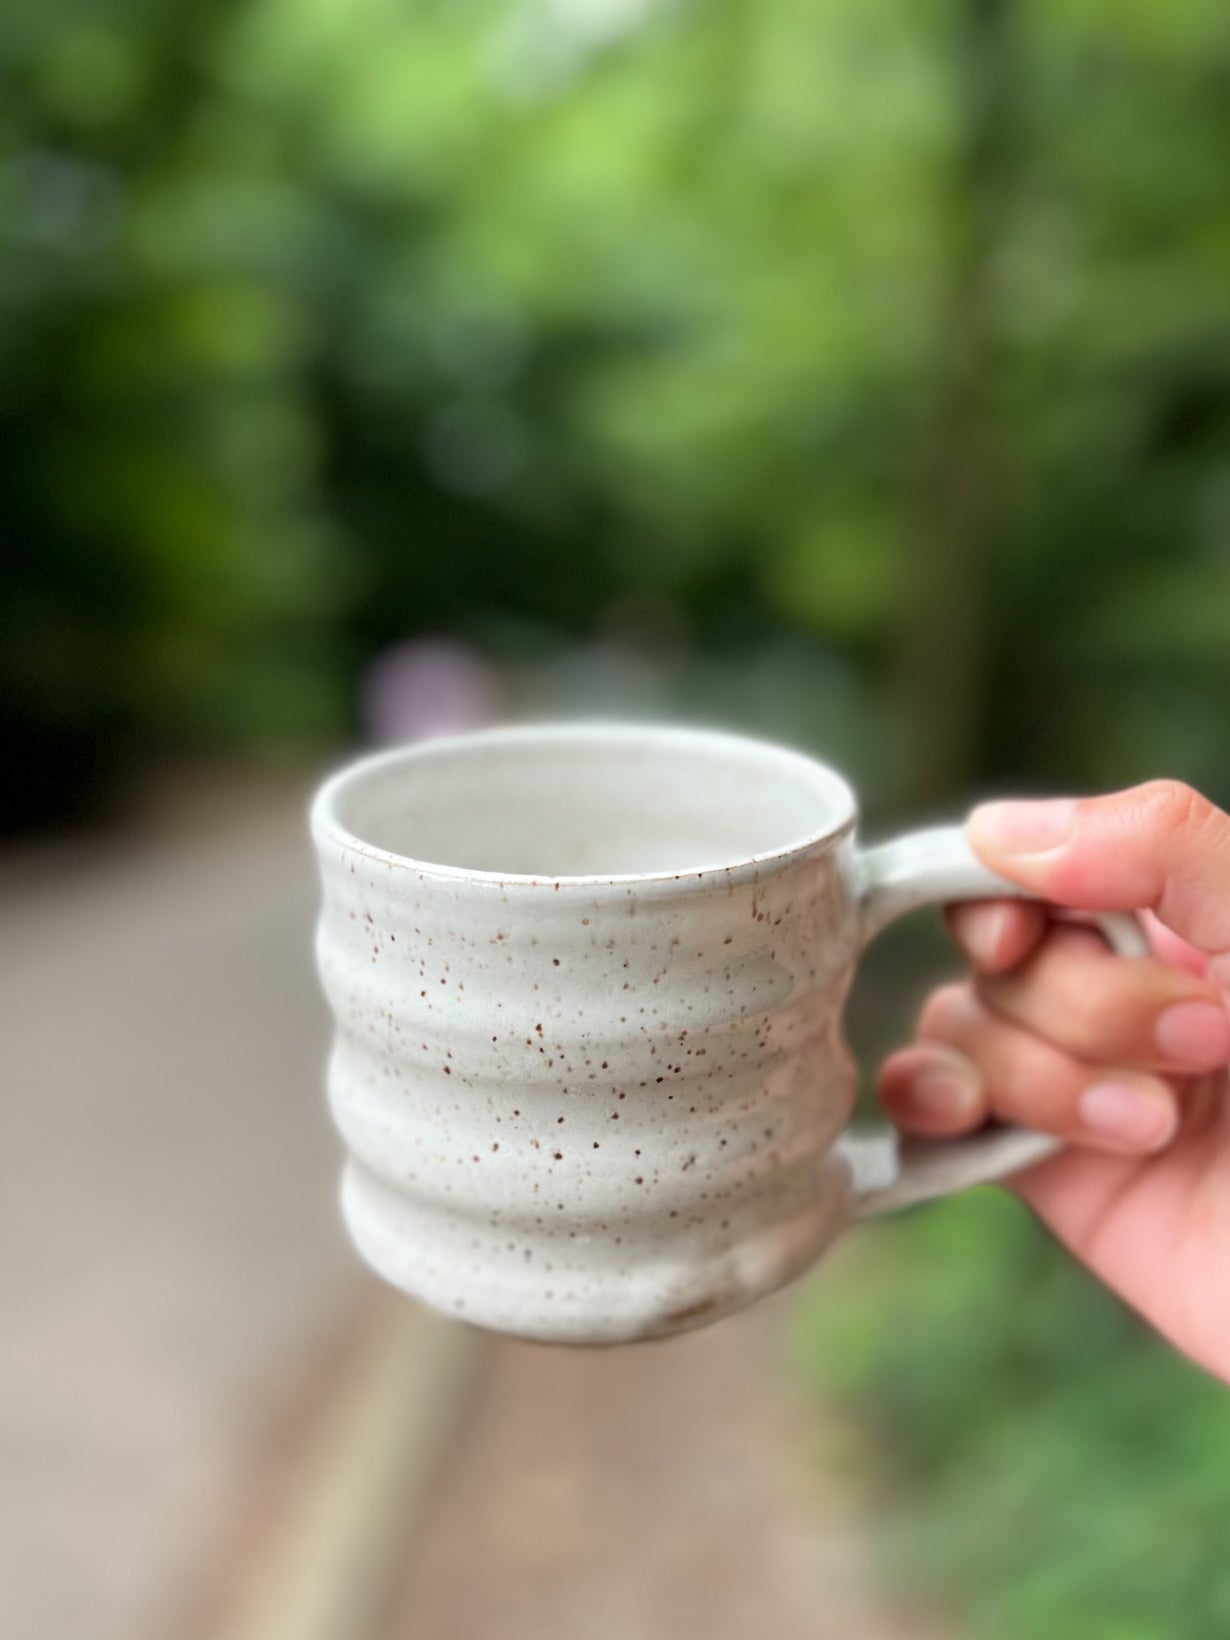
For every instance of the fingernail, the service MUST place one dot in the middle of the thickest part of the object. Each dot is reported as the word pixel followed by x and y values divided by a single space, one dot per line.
pixel 1125 1117
pixel 985 933
pixel 1194 1034
pixel 1023 828
pixel 941 1092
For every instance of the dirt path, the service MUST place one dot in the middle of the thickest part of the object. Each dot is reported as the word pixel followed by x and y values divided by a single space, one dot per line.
pixel 170 1262
pixel 667 1490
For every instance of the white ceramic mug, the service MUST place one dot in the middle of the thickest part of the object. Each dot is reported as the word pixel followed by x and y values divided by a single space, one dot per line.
pixel 588 982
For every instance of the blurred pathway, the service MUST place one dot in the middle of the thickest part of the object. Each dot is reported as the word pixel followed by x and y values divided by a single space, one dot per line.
pixel 170 1261
pixel 669 1491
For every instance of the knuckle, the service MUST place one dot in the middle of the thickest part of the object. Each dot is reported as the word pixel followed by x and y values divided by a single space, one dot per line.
pixel 1172 807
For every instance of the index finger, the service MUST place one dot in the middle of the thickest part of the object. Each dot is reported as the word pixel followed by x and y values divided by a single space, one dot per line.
pixel 1160 846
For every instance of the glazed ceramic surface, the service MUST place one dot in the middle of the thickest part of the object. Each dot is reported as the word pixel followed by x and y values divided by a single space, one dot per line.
pixel 587 984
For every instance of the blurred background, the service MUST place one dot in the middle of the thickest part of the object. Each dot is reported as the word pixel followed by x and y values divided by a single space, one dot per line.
pixel 854 372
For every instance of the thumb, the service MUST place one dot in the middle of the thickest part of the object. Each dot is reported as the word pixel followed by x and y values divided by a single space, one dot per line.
pixel 1161 847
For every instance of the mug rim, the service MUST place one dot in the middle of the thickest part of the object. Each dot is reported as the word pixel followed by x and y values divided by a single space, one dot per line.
pixel 328 827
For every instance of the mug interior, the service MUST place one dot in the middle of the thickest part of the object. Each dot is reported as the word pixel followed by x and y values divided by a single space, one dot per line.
pixel 585 801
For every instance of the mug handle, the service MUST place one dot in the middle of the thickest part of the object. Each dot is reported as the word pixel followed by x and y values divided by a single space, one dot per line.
pixel 932 868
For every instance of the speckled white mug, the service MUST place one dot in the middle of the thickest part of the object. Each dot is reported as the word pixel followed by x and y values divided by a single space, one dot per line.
pixel 588 984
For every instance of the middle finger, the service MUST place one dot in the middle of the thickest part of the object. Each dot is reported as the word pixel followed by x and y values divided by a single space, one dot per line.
pixel 1112 1010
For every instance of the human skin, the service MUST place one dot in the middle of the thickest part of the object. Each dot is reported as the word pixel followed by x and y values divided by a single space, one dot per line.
pixel 1124 1057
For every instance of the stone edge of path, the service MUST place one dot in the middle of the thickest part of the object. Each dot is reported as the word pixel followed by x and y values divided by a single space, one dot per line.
pixel 323 1555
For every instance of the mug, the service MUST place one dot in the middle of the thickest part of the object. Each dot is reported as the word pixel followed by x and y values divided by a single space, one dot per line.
pixel 587 983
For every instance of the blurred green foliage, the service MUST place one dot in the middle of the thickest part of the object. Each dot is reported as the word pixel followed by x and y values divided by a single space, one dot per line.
pixel 903 329
pixel 1045 1466
pixel 1037 1462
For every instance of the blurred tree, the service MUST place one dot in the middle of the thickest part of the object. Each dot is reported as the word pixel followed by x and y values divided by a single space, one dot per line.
pixel 169 572
pixel 900 329
pixel 942 674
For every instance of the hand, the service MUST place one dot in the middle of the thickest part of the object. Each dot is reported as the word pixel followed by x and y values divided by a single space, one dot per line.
pixel 1125 1058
